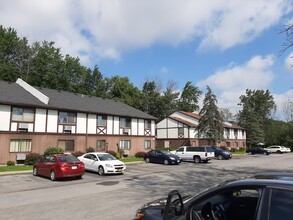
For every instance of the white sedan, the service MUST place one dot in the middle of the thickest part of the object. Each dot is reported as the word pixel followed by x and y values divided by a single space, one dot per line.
pixel 103 163
pixel 287 149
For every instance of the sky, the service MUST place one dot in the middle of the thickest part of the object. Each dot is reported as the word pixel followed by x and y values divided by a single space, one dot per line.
pixel 228 45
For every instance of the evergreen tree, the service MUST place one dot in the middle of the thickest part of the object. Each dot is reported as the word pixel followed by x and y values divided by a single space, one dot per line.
pixel 211 122
pixel 188 101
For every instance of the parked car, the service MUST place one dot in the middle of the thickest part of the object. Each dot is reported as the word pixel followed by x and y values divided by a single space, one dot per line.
pixel 103 163
pixel 277 149
pixel 221 154
pixel 263 196
pixel 161 156
pixel 196 153
pixel 258 150
pixel 59 166
pixel 287 149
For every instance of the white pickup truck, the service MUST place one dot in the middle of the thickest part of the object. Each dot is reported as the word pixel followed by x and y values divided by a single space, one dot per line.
pixel 197 154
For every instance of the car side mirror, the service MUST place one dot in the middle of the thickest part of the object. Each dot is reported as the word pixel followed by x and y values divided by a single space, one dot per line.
pixel 174 205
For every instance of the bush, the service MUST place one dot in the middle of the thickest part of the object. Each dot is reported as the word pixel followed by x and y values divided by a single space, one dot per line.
pixel 77 153
pixel 140 154
pixel 32 158
pixel 233 149
pixel 117 155
pixel 242 149
pixel 90 149
pixel 113 153
pixel 10 163
pixel 53 150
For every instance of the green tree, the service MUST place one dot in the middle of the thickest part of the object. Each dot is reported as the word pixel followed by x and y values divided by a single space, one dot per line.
pixel 169 100
pixel 257 107
pixel 188 100
pixel 211 122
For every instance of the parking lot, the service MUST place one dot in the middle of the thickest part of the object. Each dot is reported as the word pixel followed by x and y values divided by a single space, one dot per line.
pixel 24 196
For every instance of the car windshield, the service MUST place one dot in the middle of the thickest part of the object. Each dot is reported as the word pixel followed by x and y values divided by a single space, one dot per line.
pixel 68 158
pixel 166 152
pixel 103 157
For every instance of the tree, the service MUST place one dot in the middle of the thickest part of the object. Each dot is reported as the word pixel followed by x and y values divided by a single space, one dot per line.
pixel 288 31
pixel 211 122
pixel 227 115
pixel 188 100
pixel 287 110
pixel 257 107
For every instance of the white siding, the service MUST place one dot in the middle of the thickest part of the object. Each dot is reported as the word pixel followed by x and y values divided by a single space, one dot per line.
pixel 81 123
pixel 161 133
pixel 92 124
pixel 173 133
pixel 141 127
pixel 5 115
pixel 153 128
pixel 40 120
pixel 193 132
pixel 162 124
pixel 171 123
pixel 134 124
pixel 110 125
pixel 13 126
pixel 116 125
pixel 52 121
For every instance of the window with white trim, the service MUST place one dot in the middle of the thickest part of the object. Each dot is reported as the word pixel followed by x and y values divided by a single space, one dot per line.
pixel 67 118
pixel 20 145
pixel 125 122
pixel 101 145
pixel 147 144
pixel 147 124
pixel 101 120
pixel 23 114
pixel 124 144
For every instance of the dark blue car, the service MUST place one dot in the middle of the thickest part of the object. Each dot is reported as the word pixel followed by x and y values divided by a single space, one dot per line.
pixel 221 154
pixel 161 156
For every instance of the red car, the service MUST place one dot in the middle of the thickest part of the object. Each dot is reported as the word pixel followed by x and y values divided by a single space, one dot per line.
pixel 59 166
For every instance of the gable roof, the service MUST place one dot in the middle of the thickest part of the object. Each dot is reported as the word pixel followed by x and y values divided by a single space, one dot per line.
pixel 183 121
pixel 14 94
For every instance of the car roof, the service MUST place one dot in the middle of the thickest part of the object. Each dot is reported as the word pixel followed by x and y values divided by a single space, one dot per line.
pixel 97 153
pixel 265 179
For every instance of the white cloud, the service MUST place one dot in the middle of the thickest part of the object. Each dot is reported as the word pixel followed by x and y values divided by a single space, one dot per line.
pixel 232 82
pixel 289 62
pixel 101 28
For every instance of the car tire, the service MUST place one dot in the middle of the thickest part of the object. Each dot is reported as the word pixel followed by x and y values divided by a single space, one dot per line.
pixel 220 157
pixel 147 160
pixel 35 171
pixel 279 152
pixel 53 175
pixel 101 171
pixel 166 162
pixel 78 177
pixel 196 159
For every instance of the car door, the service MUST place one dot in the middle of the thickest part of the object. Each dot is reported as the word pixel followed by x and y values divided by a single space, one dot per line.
pixel 49 165
pixel 180 152
pixel 87 160
pixel 95 162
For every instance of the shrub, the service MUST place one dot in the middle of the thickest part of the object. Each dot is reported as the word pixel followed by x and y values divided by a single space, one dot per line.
pixel 77 153
pixel 32 158
pixel 10 163
pixel 140 154
pixel 53 150
pixel 117 155
pixel 233 149
pixel 90 149
pixel 242 149
pixel 113 153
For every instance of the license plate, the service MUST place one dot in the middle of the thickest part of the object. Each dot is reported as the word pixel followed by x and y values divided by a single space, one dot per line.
pixel 119 170
pixel 74 167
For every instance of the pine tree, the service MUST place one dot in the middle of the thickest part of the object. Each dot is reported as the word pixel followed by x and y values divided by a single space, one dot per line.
pixel 211 122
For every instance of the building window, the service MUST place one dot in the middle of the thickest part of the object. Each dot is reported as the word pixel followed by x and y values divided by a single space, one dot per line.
pixel 67 145
pixel 125 145
pixel 101 120
pixel 236 144
pixel 125 122
pixel 147 124
pixel 181 132
pixel 101 145
pixel 147 144
pixel 22 114
pixel 20 145
pixel 67 118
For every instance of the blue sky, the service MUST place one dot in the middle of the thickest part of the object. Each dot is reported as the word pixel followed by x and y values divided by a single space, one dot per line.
pixel 230 45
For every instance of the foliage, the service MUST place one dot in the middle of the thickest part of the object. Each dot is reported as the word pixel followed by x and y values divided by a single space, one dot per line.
pixel 32 158
pixel 257 107
pixel 211 122
pixel 77 153
pixel 188 100
pixel 140 154
pixel 53 150
pixel 118 155
pixel 90 149
pixel 14 168
pixel 10 163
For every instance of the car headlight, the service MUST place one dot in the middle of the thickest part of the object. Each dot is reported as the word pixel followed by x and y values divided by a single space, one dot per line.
pixel 172 158
pixel 109 165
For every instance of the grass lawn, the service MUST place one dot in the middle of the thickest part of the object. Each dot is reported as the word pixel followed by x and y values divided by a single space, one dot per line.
pixel 15 168
pixel 238 152
pixel 131 159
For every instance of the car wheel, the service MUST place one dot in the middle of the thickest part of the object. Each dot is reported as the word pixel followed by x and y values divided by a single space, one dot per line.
pixel 196 159
pixel 166 162
pixel 220 157
pixel 101 171
pixel 147 160
pixel 53 175
pixel 279 152
pixel 35 171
